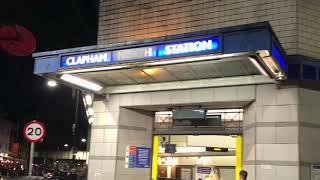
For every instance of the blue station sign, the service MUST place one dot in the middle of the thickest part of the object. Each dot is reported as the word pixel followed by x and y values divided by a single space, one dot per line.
pixel 177 49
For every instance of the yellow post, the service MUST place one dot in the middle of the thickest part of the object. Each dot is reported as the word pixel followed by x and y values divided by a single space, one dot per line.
pixel 238 156
pixel 155 157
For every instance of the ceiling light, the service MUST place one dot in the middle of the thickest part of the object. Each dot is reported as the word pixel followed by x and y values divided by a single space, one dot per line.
pixel 94 69
pixel 258 66
pixel 193 59
pixel 88 98
pixel 52 83
pixel 150 71
pixel 81 82
pixel 181 60
pixel 274 68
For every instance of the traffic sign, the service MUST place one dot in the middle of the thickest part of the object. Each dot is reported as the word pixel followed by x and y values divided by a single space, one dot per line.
pixel 34 131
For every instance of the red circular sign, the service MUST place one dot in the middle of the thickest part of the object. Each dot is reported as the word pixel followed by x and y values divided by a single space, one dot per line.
pixel 34 131
pixel 17 40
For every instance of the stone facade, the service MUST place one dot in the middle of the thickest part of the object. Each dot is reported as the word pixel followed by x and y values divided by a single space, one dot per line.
pixel 280 125
pixel 295 22
pixel 280 129
pixel 271 131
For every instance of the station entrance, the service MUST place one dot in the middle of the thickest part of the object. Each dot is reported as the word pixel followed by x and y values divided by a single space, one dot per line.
pixel 217 71
pixel 197 149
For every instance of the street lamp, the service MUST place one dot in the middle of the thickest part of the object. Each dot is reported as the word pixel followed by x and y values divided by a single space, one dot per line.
pixel 52 83
pixel 83 140
pixel 66 145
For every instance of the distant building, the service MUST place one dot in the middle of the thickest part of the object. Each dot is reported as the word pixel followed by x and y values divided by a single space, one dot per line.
pixel 61 155
pixel 5 136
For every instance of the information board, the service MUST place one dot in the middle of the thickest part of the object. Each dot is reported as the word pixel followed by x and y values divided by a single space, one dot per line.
pixel 138 157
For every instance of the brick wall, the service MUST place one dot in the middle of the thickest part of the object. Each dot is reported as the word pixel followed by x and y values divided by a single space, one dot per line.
pixel 129 20
pixel 309 27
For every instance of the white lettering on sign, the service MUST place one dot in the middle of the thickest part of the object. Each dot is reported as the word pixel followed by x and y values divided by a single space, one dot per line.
pixel 148 52
pixel 188 47
pixel 136 53
pixel 87 59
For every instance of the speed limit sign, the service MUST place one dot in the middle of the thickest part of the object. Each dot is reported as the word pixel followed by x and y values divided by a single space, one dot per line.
pixel 34 131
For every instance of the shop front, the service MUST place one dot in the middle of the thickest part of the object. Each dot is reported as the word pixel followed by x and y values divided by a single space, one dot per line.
pixel 238 70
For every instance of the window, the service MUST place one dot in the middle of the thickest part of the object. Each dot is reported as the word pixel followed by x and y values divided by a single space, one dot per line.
pixel 309 72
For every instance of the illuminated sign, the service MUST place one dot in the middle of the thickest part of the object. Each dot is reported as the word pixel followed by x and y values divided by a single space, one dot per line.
pixel 85 59
pixel 134 54
pixel 192 47
pixel 216 149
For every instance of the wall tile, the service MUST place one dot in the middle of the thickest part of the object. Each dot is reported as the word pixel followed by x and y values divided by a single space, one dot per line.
pixel 278 152
pixel 266 135
pixel 287 135
pixel 225 94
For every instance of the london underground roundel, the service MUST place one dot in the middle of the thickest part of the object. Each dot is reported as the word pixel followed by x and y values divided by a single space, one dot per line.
pixel 17 40
pixel 34 131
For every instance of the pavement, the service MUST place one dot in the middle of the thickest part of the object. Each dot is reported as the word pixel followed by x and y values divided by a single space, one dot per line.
pixel 22 178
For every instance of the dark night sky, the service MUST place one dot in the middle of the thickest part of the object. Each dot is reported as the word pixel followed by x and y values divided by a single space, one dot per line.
pixel 56 24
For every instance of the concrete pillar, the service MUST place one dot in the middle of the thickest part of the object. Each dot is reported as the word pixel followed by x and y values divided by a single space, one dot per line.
pixel 271 141
pixel 113 129
pixel 135 129
pixel 103 142
pixel 309 131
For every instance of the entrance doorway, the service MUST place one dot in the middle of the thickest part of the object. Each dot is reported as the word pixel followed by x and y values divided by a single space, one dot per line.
pixel 192 153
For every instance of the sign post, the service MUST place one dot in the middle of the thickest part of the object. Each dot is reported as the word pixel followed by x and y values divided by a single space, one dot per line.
pixel 34 131
pixel 31 159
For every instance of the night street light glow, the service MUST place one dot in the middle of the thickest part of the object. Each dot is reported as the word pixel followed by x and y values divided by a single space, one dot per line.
pixel 52 83
pixel 88 98
pixel 83 140
pixel 66 145
pixel 90 120
pixel 90 111
pixel 81 82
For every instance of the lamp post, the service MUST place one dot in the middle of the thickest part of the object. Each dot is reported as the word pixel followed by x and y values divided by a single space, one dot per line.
pixel 76 96
pixel 74 126
pixel 88 103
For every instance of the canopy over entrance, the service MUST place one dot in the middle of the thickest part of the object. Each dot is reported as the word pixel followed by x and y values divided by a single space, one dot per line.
pixel 248 50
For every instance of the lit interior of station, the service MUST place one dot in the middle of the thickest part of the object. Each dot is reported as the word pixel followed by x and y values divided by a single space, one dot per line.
pixel 191 152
